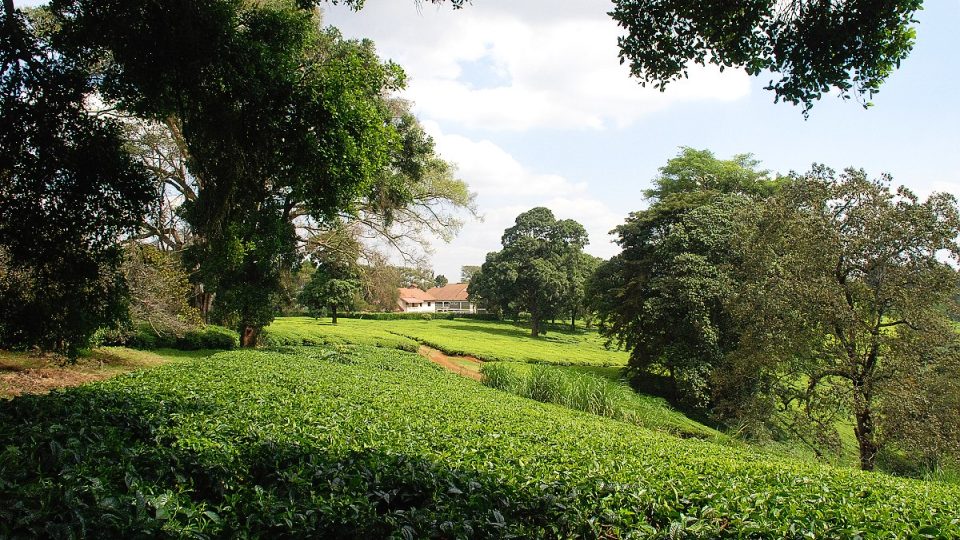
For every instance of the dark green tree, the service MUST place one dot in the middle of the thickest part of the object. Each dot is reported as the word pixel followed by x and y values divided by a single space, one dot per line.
pixel 809 47
pixel 70 192
pixel 846 284
pixel 331 287
pixel 440 280
pixel 663 297
pixel 530 273
pixel 277 118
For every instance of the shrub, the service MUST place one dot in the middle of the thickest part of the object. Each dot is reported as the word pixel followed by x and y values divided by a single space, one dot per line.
pixel 208 337
pixel 499 376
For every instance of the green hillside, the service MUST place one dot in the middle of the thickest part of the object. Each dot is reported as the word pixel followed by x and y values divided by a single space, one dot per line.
pixel 486 340
pixel 372 442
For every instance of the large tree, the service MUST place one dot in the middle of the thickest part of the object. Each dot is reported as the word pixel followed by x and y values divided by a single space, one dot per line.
pixel 70 192
pixel 663 297
pixel 531 273
pixel 847 284
pixel 809 47
pixel 278 119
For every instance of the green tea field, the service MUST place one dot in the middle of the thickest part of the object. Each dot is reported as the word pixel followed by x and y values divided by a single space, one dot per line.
pixel 486 340
pixel 379 443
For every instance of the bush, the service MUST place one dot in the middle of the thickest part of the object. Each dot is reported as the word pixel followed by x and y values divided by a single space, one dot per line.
pixel 499 376
pixel 208 337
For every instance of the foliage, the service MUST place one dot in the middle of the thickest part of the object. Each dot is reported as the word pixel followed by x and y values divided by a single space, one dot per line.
pixel 845 284
pixel 536 271
pixel 454 335
pixel 440 280
pixel 467 272
pixel 591 393
pixel 663 297
pixel 274 118
pixel 380 282
pixel 813 47
pixel 70 191
pixel 208 337
pixel 333 286
pixel 159 290
pixel 378 443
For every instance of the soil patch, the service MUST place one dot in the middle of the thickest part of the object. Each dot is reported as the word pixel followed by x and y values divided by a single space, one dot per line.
pixel 466 366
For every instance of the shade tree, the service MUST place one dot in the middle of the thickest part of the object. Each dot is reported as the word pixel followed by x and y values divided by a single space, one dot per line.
pixel 662 297
pixel 70 192
pixel 848 284
pixel 808 47
pixel 532 272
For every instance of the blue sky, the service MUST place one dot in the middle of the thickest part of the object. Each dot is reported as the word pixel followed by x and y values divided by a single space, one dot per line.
pixel 529 100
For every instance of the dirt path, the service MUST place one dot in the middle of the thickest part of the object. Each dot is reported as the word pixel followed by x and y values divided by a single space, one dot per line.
pixel 466 366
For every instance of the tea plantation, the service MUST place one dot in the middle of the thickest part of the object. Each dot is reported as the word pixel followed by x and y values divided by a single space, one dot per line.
pixel 486 340
pixel 372 442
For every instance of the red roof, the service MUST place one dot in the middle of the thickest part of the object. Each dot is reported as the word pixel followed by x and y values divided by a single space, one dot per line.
pixel 415 295
pixel 453 291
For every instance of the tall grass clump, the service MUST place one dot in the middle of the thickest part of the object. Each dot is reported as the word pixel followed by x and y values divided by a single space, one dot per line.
pixel 498 376
pixel 594 395
pixel 549 384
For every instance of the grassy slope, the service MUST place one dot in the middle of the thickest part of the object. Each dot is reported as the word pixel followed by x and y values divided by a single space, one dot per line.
pixel 377 442
pixel 22 372
pixel 294 331
pixel 483 339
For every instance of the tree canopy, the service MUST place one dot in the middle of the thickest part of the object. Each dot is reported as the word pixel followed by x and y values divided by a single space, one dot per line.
pixel 663 296
pixel 70 192
pixel 809 47
pixel 531 273
pixel 847 282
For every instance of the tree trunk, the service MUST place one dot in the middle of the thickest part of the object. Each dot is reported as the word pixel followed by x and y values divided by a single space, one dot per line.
pixel 866 437
pixel 573 321
pixel 203 301
pixel 248 338
pixel 333 310
pixel 534 326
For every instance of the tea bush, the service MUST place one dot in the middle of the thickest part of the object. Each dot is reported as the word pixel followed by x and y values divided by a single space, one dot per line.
pixel 377 443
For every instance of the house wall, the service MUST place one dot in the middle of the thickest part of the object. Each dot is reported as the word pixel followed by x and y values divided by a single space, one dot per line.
pixel 455 306
pixel 424 307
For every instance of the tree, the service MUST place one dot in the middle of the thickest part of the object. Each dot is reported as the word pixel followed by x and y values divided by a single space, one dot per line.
pixel 812 46
pixel 70 191
pixel 467 272
pixel 662 298
pixel 579 268
pixel 159 290
pixel 416 277
pixel 530 272
pixel 332 288
pixel 279 119
pixel 846 284
pixel 440 280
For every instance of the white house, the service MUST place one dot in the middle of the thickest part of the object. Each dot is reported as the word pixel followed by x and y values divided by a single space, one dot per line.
pixel 451 298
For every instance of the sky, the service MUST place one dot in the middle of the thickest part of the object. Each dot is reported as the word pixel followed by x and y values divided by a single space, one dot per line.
pixel 529 100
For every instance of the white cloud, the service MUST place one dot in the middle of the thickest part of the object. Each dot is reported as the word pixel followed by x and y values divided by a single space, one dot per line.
pixel 505 188
pixel 556 65
pixel 492 171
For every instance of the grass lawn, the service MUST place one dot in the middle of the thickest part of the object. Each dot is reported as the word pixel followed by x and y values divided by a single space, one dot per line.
pixel 378 443
pixel 486 340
